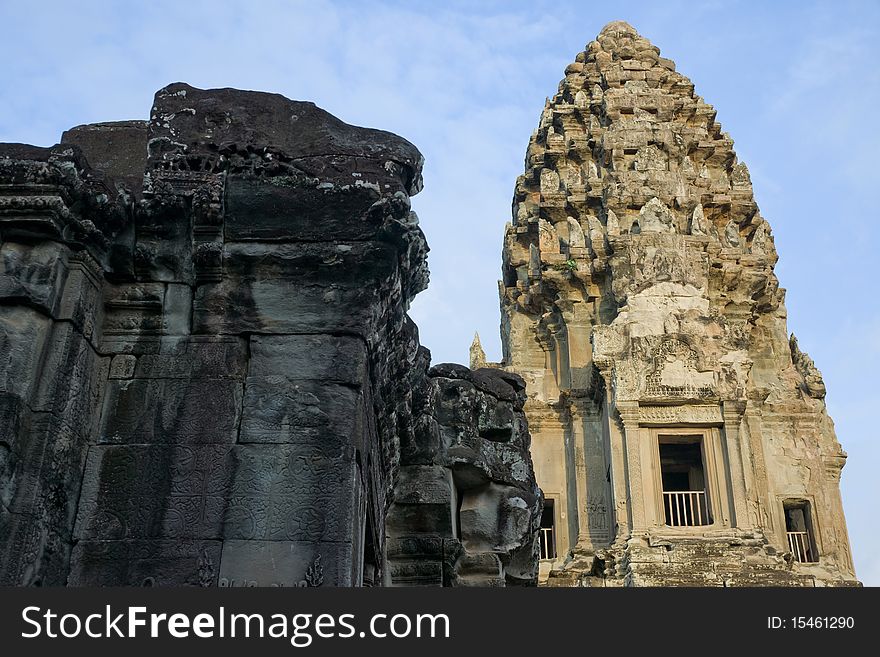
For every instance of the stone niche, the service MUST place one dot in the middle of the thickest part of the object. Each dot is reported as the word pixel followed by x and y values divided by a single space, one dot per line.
pixel 208 374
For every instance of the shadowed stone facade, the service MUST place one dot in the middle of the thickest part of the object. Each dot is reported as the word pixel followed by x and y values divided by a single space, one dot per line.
pixel 679 435
pixel 208 374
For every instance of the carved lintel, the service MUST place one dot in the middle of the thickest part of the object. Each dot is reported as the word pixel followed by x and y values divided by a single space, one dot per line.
pixel 86 263
pixel 687 414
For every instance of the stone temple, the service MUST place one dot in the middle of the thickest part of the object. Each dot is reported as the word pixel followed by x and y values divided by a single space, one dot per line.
pixel 207 373
pixel 208 376
pixel 679 434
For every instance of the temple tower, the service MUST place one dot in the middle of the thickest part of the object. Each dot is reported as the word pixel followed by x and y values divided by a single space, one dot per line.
pixel 679 434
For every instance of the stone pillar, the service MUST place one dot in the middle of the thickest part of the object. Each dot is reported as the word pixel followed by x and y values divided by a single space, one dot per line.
pixel 629 415
pixel 759 491
pixel 592 488
pixel 838 532
pixel 582 474
pixel 618 475
pixel 732 412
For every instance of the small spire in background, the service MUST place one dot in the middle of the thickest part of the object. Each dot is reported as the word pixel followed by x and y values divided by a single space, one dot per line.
pixel 478 356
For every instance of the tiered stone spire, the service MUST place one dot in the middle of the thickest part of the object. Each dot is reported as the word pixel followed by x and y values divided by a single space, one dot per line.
pixel 638 294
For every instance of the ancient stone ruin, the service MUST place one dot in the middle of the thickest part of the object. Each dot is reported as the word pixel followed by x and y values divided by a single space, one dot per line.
pixel 207 373
pixel 209 377
pixel 679 435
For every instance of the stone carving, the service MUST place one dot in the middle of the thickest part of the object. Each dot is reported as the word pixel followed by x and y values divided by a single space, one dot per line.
pixel 549 241
pixel 655 217
pixel 208 374
pixel 612 225
pixel 760 239
pixel 470 484
pixel 731 234
pixel 672 415
pixel 549 181
pixel 575 234
pixel 206 570
pixel 672 314
pixel 698 221
pixel 315 573
pixel 477 354
pixel 813 384
pixel 739 175
pixel 675 374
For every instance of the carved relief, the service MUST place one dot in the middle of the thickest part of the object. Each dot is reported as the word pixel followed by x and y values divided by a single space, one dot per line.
pixel 674 372
pixel 672 415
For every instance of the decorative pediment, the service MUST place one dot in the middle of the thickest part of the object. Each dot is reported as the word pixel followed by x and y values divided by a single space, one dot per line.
pixel 675 372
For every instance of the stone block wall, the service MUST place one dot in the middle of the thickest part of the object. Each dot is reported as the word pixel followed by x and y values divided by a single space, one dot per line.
pixel 209 374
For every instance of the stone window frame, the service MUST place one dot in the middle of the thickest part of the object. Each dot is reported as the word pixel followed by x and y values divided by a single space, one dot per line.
pixel 553 497
pixel 815 531
pixel 714 475
pixel 559 508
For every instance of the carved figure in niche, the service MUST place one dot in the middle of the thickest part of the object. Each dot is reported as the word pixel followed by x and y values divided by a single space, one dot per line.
pixel 731 234
pixel 612 225
pixel 740 177
pixel 655 217
pixel 548 240
pixel 549 181
pixel 575 234
pixel 698 221
pixel 760 239
pixel 650 158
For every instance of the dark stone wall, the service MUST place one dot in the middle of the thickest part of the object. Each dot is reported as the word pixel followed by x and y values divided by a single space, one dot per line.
pixel 208 374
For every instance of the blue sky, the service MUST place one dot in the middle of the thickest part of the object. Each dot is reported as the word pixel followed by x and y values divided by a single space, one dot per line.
pixel 796 84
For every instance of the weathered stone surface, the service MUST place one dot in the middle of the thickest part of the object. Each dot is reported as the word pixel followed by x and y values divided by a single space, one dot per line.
pixel 287 563
pixel 640 305
pixel 174 410
pixel 115 149
pixel 34 273
pixel 195 357
pixel 272 210
pixel 467 481
pixel 281 410
pixel 159 562
pixel 338 359
pixel 197 129
pixel 312 285
pixel 208 374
